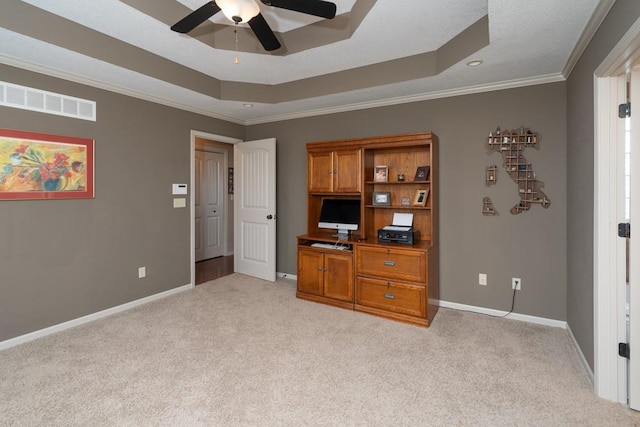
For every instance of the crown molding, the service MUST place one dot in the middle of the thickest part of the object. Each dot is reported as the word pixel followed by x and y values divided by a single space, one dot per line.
pixel 64 75
pixel 599 15
pixel 510 84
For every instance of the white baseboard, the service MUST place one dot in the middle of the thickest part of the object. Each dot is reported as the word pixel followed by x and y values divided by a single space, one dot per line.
pixel 580 353
pixel 89 318
pixel 499 313
pixel 286 276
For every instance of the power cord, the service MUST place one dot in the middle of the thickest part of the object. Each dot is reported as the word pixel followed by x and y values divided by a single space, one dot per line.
pixel 338 245
pixel 513 303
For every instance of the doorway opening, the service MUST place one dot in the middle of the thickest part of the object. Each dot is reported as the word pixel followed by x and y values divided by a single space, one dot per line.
pixel 616 304
pixel 214 268
pixel 211 207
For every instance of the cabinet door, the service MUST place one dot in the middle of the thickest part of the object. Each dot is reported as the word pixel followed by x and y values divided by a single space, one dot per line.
pixel 338 277
pixel 310 272
pixel 347 171
pixel 320 179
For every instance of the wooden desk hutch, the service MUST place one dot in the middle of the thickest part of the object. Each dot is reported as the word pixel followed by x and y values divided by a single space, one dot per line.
pixel 396 281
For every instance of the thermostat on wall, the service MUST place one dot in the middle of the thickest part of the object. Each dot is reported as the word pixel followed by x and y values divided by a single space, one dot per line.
pixel 179 189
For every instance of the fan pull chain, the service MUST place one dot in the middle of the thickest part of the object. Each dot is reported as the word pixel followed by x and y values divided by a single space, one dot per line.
pixel 235 30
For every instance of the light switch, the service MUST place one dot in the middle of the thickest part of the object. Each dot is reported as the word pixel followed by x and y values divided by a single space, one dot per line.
pixel 179 202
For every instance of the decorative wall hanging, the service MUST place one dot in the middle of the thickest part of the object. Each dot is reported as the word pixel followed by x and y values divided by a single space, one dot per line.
pixel 41 166
pixel 487 207
pixel 491 175
pixel 511 144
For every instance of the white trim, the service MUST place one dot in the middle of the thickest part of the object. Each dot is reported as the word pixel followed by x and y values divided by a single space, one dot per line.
pixel 583 359
pixel 192 183
pixel 286 276
pixel 49 71
pixel 499 313
pixel 509 84
pixel 609 370
pixel 601 12
pixel 89 318
pixel 609 315
pixel 623 55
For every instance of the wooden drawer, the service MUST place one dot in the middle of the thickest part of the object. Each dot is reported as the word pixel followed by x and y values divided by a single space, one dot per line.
pixel 391 296
pixel 398 264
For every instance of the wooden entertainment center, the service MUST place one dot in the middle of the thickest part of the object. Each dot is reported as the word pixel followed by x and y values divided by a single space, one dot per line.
pixel 393 280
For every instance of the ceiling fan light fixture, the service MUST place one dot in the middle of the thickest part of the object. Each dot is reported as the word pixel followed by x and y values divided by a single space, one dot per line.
pixel 239 11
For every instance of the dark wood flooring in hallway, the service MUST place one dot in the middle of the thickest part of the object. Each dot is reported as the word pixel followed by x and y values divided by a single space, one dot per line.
pixel 213 268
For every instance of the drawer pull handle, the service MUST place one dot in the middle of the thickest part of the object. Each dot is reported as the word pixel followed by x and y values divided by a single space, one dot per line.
pixel 389 296
pixel 390 263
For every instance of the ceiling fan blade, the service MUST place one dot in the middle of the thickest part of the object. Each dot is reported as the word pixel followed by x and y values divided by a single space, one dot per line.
pixel 264 33
pixel 196 18
pixel 323 9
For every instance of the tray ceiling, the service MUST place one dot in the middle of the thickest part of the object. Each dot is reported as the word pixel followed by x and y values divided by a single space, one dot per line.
pixel 373 53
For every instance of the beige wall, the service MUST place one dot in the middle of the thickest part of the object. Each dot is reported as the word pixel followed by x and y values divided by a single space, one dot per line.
pixel 580 166
pixel 63 259
pixel 531 245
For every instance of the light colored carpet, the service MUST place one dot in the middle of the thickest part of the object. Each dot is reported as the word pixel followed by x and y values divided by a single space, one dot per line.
pixel 241 351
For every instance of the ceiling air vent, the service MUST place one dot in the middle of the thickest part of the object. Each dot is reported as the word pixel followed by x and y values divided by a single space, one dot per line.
pixel 27 98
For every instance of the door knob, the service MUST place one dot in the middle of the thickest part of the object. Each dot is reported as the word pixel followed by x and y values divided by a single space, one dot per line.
pixel 269 216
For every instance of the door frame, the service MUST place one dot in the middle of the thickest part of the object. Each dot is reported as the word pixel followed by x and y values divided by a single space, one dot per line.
pixel 609 314
pixel 192 181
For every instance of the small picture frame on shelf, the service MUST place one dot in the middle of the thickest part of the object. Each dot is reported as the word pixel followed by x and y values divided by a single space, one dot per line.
pixel 420 199
pixel 405 201
pixel 381 174
pixel 381 198
pixel 422 173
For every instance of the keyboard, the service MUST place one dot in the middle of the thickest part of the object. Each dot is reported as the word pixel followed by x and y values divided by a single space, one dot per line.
pixel 329 246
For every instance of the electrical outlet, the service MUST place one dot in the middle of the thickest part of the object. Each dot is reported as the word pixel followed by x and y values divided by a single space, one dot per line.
pixel 516 283
pixel 482 279
pixel 142 272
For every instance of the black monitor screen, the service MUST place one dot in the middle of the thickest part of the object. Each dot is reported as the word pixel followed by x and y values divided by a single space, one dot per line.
pixel 340 214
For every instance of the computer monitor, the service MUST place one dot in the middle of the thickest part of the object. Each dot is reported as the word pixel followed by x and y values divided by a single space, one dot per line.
pixel 340 214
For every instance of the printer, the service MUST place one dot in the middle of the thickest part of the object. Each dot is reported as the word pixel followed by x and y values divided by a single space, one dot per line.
pixel 400 231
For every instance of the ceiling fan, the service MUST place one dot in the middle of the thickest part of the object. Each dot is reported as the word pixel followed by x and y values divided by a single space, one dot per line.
pixel 248 11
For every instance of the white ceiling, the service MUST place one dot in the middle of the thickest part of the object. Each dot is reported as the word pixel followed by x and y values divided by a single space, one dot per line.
pixel 531 42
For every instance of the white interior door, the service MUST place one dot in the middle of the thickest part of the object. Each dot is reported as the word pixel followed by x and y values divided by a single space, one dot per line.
pixel 632 187
pixel 209 205
pixel 255 208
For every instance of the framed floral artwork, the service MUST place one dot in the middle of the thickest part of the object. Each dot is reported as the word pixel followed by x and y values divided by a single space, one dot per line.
pixel 42 166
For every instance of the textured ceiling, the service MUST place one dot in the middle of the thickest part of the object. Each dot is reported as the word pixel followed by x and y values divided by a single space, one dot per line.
pixel 374 52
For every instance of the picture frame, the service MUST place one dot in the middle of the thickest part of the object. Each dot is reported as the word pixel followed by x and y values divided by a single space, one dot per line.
pixel 381 174
pixel 420 198
pixel 422 173
pixel 381 198
pixel 405 201
pixel 43 166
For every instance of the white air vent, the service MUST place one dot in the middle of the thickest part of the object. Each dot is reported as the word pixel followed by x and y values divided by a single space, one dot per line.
pixel 27 98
